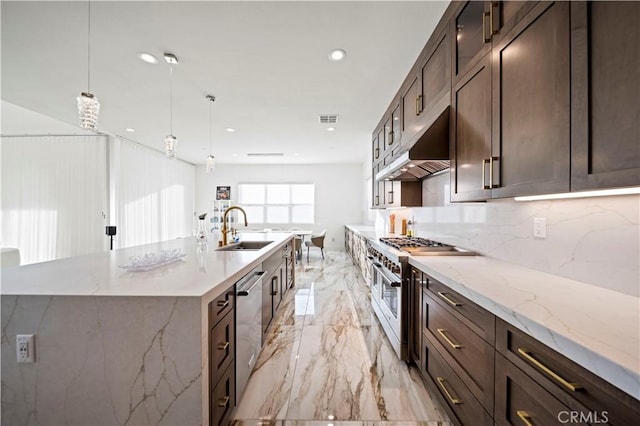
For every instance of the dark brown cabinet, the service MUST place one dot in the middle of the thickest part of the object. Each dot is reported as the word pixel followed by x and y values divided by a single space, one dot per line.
pixel 415 316
pixel 605 86
pixel 425 89
pixel 529 112
pixel 221 358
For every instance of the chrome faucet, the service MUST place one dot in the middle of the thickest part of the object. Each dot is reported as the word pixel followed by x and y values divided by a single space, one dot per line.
pixel 225 230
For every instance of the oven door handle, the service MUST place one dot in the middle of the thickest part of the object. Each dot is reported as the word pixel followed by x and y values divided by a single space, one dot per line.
pixel 392 281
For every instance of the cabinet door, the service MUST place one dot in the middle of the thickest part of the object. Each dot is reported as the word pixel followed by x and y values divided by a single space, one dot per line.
pixel 411 106
pixel 396 132
pixel 415 316
pixel 530 119
pixel 472 40
pixel 388 137
pixel 605 83
pixel 471 134
pixel 436 75
pixel 267 307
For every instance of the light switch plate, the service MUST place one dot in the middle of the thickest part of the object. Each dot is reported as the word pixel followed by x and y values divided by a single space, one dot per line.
pixel 539 227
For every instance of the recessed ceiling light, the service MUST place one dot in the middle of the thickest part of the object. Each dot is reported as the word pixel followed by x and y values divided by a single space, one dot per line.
pixel 330 129
pixel 235 155
pixel 296 154
pixel 147 57
pixel 230 129
pixel 337 55
pixel 129 129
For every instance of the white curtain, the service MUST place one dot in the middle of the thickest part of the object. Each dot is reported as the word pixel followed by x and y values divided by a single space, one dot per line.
pixel 54 195
pixel 154 196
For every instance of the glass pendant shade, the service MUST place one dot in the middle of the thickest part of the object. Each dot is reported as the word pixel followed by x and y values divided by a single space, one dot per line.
pixel 88 110
pixel 170 145
pixel 211 163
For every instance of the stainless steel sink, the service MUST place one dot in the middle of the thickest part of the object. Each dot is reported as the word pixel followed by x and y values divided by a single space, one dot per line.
pixel 244 245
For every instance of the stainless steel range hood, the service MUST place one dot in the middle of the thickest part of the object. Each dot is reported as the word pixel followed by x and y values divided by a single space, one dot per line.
pixel 428 155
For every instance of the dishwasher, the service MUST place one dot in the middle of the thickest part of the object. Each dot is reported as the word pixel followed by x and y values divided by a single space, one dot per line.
pixel 248 326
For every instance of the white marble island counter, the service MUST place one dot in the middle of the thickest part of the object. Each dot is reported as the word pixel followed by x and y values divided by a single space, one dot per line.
pixel 595 327
pixel 114 346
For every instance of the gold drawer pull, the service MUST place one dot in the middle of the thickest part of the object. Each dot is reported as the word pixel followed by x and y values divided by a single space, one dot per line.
pixel 451 302
pixel 571 386
pixel 525 417
pixel 454 401
pixel 222 402
pixel 453 345
pixel 223 304
pixel 223 346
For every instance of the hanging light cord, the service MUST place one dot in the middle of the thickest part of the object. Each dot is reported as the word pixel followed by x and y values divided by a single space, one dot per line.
pixel 89 46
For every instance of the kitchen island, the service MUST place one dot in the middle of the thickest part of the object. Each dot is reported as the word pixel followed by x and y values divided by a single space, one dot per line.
pixel 114 346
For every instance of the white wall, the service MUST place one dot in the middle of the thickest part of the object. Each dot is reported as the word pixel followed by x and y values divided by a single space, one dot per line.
pixel 593 240
pixel 338 191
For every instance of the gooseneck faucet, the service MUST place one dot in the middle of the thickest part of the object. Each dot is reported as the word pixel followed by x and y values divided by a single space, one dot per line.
pixel 225 230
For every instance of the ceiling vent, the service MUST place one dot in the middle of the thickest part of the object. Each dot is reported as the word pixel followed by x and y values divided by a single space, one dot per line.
pixel 265 154
pixel 328 118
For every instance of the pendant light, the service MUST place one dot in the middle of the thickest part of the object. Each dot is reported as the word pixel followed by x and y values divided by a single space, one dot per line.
pixel 88 105
pixel 211 160
pixel 170 141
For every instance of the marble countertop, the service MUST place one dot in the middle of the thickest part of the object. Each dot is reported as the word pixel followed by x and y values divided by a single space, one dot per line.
pixel 198 273
pixel 595 327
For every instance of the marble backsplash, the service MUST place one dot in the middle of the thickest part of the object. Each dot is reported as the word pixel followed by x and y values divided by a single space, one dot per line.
pixel 103 361
pixel 593 240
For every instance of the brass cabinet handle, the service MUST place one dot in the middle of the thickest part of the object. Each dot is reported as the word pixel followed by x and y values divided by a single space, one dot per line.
pixel 491 160
pixel 418 104
pixel 454 401
pixel 223 346
pixel 377 153
pixel 441 331
pixel 485 38
pixel 494 17
pixel 571 386
pixel 273 292
pixel 390 197
pixel 222 402
pixel 391 137
pixel 223 304
pixel 484 173
pixel 525 417
pixel 377 200
pixel 449 300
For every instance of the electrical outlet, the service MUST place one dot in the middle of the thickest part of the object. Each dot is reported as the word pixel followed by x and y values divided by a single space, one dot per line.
pixel 540 227
pixel 25 348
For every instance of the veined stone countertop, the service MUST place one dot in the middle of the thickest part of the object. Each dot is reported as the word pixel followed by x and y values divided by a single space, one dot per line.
pixel 595 327
pixel 198 273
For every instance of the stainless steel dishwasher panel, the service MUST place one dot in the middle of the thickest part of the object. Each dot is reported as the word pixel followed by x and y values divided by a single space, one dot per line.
pixel 248 327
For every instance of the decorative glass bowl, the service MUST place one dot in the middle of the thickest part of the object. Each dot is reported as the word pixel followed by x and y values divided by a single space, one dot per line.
pixel 151 261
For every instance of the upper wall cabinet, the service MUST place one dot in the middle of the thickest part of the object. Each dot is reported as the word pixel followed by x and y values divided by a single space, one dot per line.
pixel 605 86
pixel 510 131
pixel 425 88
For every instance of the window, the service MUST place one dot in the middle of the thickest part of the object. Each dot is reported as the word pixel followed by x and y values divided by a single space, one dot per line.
pixel 278 203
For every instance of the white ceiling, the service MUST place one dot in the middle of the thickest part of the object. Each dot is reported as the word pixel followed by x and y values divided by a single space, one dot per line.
pixel 266 63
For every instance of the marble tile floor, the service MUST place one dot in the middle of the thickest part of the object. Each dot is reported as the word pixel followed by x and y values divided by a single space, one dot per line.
pixel 327 362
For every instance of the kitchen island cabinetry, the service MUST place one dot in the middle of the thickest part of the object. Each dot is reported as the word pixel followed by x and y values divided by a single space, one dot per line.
pixel 605 87
pixel 222 344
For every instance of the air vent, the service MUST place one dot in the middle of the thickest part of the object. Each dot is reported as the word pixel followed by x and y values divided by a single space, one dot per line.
pixel 328 118
pixel 265 154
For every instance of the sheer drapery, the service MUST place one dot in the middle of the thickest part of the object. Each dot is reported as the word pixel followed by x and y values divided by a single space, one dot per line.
pixel 154 196
pixel 54 195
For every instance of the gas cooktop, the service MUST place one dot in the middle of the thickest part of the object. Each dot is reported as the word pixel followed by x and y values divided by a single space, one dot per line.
pixel 417 246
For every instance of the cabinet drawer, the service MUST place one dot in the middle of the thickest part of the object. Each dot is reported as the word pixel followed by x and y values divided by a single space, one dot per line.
pixel 482 322
pixel 221 306
pixel 470 356
pixel 571 383
pixel 222 346
pixel 459 399
pixel 223 398
pixel 521 401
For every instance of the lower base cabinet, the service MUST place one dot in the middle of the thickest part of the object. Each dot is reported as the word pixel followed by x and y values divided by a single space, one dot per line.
pixel 520 382
pixel 222 400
